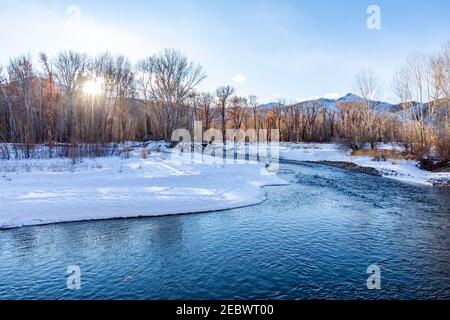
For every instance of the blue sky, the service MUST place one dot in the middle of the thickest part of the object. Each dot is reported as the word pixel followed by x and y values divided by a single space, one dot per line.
pixel 289 49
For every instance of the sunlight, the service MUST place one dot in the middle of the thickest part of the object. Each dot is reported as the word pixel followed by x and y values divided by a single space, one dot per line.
pixel 93 87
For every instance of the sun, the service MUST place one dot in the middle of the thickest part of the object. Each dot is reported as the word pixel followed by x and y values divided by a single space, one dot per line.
pixel 93 87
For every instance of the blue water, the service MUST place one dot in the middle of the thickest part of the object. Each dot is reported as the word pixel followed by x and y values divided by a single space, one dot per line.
pixel 312 239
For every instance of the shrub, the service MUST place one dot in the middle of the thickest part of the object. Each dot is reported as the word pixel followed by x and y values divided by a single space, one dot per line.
pixel 443 144
pixel 379 155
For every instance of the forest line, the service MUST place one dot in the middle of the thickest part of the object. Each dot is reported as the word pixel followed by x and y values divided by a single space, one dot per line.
pixel 76 99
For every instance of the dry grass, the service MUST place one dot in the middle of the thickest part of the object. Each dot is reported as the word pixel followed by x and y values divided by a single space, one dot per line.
pixel 387 154
pixel 443 144
pixel 144 153
pixel 49 166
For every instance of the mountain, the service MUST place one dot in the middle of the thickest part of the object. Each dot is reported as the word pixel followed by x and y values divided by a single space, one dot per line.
pixel 350 97
pixel 269 106
pixel 331 104
pixel 440 106
pixel 380 106
pixel 439 109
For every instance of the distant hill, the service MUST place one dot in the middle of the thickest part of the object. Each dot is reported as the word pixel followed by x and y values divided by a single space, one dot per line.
pixel 380 106
pixel 269 106
pixel 331 104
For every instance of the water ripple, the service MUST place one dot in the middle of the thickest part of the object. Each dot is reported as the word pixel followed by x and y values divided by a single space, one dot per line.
pixel 312 239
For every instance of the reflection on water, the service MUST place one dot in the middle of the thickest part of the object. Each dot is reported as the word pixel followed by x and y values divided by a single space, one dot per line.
pixel 312 239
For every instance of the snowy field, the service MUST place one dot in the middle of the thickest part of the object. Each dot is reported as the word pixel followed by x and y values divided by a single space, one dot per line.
pixel 34 192
pixel 43 191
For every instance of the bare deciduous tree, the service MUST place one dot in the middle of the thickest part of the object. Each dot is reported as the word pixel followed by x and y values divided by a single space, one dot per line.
pixel 366 84
pixel 223 94
pixel 207 110
pixel 172 79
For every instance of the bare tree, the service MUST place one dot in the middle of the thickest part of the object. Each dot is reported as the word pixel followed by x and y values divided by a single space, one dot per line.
pixel 22 75
pixel 70 74
pixel 237 111
pixel 440 65
pixel 253 104
pixel 124 89
pixel 207 109
pixel 144 74
pixel 173 79
pixel 223 94
pixel 366 84
pixel 10 135
pixel 277 110
pixel 50 98
pixel 413 85
pixel 312 110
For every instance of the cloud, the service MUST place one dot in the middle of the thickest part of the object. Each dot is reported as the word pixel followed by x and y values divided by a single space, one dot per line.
pixel 67 28
pixel 239 78
pixel 330 95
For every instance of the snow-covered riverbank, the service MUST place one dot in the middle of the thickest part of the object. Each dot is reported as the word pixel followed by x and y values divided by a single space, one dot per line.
pixel 44 191
pixel 402 170
pixel 34 192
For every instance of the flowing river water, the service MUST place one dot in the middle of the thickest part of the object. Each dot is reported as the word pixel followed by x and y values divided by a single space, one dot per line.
pixel 312 239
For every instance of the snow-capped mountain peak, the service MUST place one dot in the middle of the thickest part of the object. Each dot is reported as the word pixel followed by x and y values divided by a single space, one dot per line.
pixel 350 97
pixel 333 103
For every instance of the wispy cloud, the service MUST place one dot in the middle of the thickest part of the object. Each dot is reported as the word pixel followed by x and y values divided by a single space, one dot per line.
pixel 239 78
pixel 65 28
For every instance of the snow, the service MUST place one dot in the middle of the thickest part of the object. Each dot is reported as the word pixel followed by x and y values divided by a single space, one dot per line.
pixel 312 152
pixel 350 97
pixel 166 182
pixel 34 192
pixel 401 170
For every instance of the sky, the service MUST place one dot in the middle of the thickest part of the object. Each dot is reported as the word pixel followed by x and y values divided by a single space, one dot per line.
pixel 290 49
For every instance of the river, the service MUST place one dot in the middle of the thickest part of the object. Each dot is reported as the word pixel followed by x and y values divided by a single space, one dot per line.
pixel 312 239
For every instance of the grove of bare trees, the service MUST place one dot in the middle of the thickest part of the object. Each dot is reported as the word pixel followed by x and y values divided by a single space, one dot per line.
pixel 73 98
